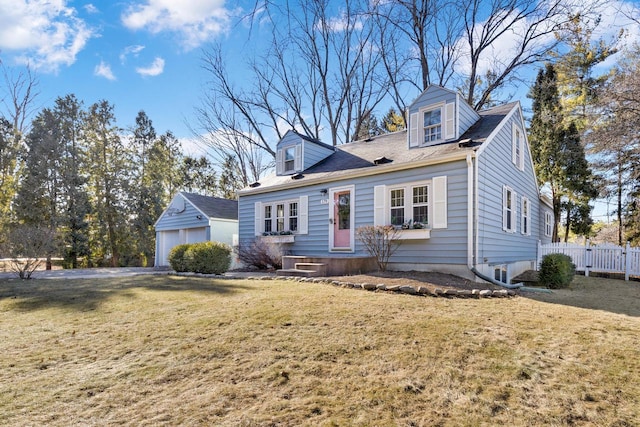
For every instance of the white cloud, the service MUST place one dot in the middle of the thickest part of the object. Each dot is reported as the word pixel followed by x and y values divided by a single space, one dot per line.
pixel 130 50
pixel 155 69
pixel 195 20
pixel 90 8
pixel 45 33
pixel 104 70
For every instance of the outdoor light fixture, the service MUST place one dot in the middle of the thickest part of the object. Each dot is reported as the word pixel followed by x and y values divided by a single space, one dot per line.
pixel 198 216
pixel 323 192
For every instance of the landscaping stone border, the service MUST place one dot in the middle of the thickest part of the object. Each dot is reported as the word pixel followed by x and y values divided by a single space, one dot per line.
pixel 403 289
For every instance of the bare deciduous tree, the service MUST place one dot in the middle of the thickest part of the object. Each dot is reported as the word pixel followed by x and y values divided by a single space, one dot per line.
pixel 478 46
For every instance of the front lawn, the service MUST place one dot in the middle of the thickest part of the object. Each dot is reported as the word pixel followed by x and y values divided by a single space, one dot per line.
pixel 158 350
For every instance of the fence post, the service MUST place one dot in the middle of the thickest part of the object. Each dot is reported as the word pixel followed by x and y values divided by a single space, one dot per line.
pixel 587 257
pixel 627 261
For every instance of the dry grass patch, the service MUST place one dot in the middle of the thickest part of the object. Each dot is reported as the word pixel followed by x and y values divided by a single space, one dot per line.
pixel 156 350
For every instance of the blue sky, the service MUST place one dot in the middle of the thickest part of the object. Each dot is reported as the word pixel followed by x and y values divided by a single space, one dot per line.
pixel 145 54
pixel 138 55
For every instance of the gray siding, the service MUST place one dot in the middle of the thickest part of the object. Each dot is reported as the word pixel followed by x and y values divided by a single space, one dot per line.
pixel 289 139
pixel 496 169
pixel 186 219
pixel 467 116
pixel 446 246
pixel 313 153
pixel 432 95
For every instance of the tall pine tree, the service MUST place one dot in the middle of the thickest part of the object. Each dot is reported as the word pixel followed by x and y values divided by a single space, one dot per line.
pixel 558 157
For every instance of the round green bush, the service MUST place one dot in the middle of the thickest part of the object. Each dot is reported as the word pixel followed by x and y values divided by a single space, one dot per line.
pixel 208 257
pixel 176 257
pixel 556 271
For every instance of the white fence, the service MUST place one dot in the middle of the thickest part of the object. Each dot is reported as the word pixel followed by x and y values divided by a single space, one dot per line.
pixel 597 258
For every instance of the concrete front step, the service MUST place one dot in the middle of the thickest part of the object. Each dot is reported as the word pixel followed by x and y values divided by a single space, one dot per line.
pixel 318 267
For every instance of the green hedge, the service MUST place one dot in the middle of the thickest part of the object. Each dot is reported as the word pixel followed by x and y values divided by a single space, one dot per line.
pixel 203 257
pixel 556 271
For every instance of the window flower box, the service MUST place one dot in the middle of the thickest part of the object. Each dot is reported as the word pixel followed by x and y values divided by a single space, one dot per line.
pixel 281 238
pixel 413 234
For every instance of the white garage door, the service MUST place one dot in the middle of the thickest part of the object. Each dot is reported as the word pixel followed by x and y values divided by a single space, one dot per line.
pixel 195 235
pixel 168 239
pixel 171 238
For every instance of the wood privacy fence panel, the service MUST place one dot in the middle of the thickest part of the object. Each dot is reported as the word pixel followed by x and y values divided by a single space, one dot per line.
pixel 605 258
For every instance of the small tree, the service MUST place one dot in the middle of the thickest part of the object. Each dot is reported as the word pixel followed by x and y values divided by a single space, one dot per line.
pixel 261 254
pixel 27 247
pixel 380 241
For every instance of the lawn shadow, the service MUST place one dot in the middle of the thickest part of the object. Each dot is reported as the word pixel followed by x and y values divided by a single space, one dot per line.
pixel 88 294
pixel 596 293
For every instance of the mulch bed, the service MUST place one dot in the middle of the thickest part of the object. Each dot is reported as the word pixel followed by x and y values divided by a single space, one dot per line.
pixel 430 280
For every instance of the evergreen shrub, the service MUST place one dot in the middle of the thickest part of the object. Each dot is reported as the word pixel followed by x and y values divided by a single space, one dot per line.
pixel 208 257
pixel 556 271
pixel 176 258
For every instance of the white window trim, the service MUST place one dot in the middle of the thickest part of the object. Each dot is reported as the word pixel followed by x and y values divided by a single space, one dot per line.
pixel 439 106
pixel 525 225
pixel 302 215
pixel 437 201
pixel 408 200
pixel 517 147
pixel 281 159
pixel 505 212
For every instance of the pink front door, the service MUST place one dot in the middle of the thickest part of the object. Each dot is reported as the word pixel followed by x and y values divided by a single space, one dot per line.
pixel 342 219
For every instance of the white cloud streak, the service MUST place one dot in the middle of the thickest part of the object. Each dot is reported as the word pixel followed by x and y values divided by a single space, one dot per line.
pixel 132 50
pixel 196 21
pixel 44 33
pixel 155 69
pixel 104 70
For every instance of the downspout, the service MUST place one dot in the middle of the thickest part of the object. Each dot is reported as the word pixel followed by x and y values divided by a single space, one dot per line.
pixel 470 228
pixel 473 223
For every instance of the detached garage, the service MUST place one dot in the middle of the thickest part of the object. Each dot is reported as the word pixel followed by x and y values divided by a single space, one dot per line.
pixel 192 218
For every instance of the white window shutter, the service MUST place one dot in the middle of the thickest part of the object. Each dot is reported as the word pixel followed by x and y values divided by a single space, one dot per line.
pixel 258 218
pixel 504 207
pixel 513 144
pixel 379 205
pixel 450 121
pixel 303 215
pixel 297 163
pixel 439 202
pixel 279 161
pixel 514 211
pixel 414 134
pixel 521 142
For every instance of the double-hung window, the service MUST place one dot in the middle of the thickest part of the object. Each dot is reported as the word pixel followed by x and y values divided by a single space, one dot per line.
pixel 267 219
pixel 517 156
pixel 525 227
pixel 293 216
pixel 432 125
pixel 289 159
pixel 409 204
pixel 397 206
pixel 508 209
pixel 280 216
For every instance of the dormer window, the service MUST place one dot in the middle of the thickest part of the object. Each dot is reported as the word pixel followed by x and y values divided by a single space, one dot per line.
pixel 289 159
pixel 432 124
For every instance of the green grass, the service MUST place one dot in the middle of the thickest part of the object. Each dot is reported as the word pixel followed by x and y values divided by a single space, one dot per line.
pixel 157 350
